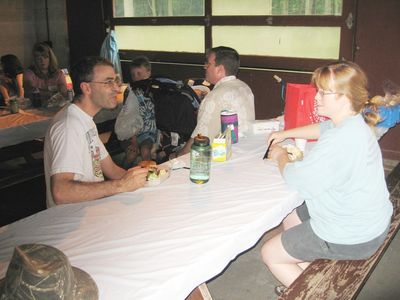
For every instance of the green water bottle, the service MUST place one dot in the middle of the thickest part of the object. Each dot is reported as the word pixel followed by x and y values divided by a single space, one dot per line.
pixel 200 160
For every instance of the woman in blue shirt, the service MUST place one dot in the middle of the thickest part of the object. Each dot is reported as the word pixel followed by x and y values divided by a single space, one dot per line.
pixel 346 211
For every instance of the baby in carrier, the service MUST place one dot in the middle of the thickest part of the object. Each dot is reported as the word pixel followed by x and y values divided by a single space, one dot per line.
pixel 136 125
pixel 383 113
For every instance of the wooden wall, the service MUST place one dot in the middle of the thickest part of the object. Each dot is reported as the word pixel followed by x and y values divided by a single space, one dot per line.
pixel 377 51
pixel 23 23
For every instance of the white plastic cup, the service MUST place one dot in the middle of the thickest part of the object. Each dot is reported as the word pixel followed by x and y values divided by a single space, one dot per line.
pixel 301 144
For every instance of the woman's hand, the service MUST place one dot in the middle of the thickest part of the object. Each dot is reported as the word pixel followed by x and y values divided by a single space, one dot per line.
pixel 276 152
pixel 276 137
pixel 280 156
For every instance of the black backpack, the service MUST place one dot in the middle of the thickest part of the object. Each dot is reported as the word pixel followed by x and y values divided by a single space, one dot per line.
pixel 175 105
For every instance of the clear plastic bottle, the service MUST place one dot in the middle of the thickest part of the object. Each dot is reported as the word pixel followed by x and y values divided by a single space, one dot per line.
pixel 70 95
pixel 200 160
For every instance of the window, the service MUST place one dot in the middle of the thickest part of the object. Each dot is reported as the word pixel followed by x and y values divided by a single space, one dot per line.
pixel 158 8
pixel 276 7
pixel 294 34
pixel 183 38
pixel 283 41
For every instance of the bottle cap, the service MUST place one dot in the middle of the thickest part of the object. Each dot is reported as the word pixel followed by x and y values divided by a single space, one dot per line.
pixel 228 113
pixel 201 140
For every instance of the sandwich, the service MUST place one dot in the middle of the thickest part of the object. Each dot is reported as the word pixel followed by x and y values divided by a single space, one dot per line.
pixel 153 173
pixel 294 153
pixel 148 164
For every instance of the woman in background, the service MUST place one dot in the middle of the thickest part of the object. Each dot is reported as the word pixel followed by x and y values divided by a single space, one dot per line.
pixel 12 79
pixel 346 212
pixel 44 75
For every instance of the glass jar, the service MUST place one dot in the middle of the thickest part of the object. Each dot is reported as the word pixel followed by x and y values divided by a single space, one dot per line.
pixel 14 107
pixel 200 160
pixel 36 98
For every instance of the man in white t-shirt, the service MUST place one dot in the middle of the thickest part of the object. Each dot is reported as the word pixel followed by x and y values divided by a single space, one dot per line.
pixel 75 160
pixel 229 93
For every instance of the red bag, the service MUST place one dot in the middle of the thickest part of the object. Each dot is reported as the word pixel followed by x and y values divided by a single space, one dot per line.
pixel 300 108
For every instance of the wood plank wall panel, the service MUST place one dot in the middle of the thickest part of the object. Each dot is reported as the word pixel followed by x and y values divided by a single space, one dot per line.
pixel 378 44
pixel 86 28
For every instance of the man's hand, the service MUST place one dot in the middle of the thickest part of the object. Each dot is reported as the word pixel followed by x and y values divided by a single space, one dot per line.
pixel 133 179
pixel 173 155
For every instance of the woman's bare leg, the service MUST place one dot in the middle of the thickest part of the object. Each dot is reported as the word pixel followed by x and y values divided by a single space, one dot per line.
pixel 291 220
pixel 283 266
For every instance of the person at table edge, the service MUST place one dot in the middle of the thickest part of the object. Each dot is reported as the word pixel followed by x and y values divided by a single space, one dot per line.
pixel 12 82
pixel 346 214
pixel 75 160
pixel 229 93
pixel 44 74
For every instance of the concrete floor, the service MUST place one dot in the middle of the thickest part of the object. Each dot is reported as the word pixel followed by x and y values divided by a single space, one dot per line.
pixel 247 278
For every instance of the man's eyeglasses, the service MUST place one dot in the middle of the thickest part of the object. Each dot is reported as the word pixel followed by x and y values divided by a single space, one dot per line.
pixel 323 93
pixel 110 82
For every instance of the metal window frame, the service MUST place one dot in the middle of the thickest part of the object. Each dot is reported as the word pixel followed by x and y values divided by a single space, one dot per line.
pixel 346 22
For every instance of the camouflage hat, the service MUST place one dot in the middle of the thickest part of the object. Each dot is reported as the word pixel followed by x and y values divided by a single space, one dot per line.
pixel 43 272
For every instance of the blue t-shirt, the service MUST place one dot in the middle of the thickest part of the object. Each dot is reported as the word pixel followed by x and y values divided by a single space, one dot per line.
pixel 343 183
pixel 390 116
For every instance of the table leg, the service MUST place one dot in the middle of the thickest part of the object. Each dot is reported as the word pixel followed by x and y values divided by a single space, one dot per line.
pixel 200 293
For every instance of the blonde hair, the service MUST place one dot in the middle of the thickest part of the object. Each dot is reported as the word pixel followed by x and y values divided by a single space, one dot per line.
pixel 347 79
pixel 372 116
pixel 391 98
pixel 43 48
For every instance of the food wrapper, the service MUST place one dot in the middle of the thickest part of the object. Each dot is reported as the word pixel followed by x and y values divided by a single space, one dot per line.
pixel 222 146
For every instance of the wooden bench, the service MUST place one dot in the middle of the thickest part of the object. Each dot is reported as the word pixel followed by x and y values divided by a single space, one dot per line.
pixel 330 279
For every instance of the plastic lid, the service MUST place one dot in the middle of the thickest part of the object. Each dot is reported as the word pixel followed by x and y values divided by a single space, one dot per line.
pixel 227 113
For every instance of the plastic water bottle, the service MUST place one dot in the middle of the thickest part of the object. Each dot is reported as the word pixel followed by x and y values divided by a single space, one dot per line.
pixel 70 95
pixel 200 160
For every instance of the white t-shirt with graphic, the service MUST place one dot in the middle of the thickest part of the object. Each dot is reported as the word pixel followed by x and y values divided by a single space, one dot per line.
pixel 72 145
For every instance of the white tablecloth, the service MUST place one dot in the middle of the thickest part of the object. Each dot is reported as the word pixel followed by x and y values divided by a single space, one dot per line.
pixel 161 242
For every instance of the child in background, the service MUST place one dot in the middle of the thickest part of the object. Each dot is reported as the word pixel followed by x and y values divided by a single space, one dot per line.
pixel 12 78
pixel 138 110
pixel 383 113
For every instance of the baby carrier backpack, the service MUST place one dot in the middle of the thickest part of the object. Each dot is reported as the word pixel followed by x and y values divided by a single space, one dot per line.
pixel 175 105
